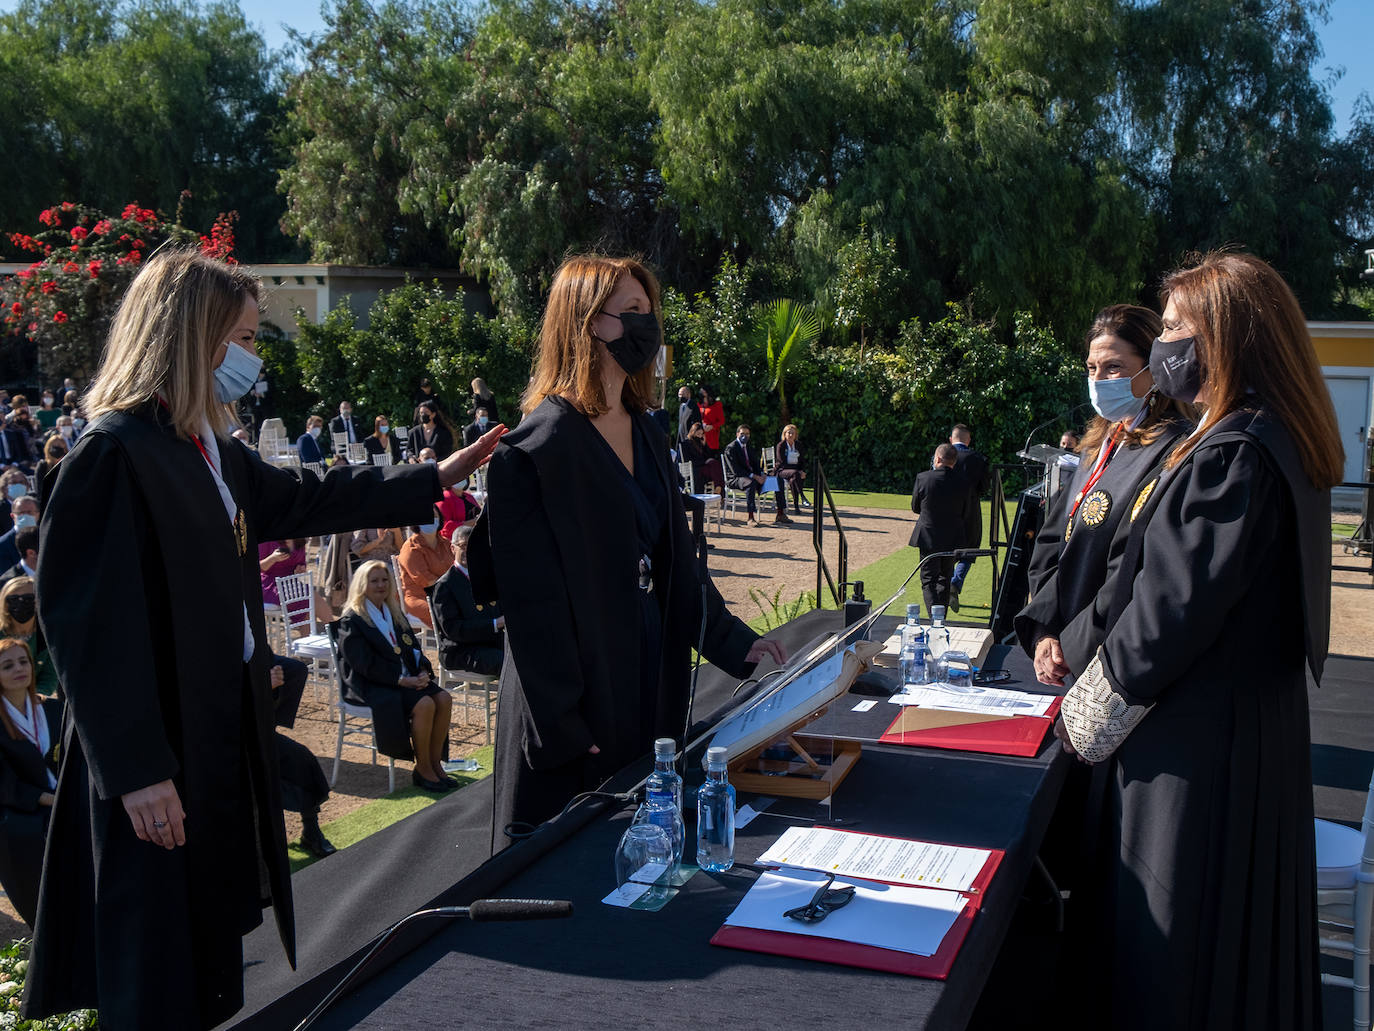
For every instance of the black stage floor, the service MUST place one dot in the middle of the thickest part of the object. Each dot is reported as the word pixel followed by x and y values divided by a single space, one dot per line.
pixel 346 901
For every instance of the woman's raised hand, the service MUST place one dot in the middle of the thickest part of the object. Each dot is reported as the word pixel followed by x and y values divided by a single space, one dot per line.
pixel 462 464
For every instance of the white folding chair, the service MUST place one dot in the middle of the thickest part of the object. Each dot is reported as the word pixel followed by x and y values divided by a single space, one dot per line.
pixel 355 721
pixel 715 504
pixel 357 454
pixel 485 684
pixel 315 467
pixel 297 595
pixel 1345 899
pixel 384 458
pixel 339 444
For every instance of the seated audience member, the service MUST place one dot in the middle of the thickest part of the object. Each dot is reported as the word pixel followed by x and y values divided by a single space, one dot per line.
pixel 482 397
pixel 705 466
pixel 381 441
pixel 425 454
pixel 13 485
pixel 53 452
pixel 65 428
pixel 19 619
pixel 381 666
pixel 304 787
pixel 308 443
pixel 431 433
pixel 456 508
pixel 377 544
pixel 477 427
pixel 16 446
pixel 424 557
pixel 470 635
pixel 46 415
pixel 1069 441
pixel 712 417
pixel 788 459
pixel 28 775
pixel 278 558
pixel 25 511
pixel 71 401
pixel 26 543
pixel 343 428
pixel 744 474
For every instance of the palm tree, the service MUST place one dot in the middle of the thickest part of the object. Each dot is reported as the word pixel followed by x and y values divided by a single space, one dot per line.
pixel 786 328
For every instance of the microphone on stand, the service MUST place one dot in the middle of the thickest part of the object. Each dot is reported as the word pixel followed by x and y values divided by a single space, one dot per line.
pixel 480 911
pixel 1051 421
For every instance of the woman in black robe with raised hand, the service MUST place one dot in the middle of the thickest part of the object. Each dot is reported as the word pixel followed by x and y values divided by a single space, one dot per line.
pixel 1080 543
pixel 1222 602
pixel 166 835
pixel 585 544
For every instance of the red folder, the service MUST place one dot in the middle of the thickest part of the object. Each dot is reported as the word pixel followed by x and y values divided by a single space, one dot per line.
pixel 1010 735
pixel 869 957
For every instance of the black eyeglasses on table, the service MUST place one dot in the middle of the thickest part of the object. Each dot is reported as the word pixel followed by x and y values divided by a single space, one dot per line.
pixel 823 903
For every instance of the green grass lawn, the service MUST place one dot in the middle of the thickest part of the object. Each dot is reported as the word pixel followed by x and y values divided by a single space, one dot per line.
pixel 383 812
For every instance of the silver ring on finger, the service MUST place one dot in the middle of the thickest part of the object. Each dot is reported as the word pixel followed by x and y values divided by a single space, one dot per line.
pixel 159 824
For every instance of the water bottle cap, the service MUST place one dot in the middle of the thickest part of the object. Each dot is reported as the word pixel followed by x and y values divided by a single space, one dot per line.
pixel 937 612
pixel 913 611
pixel 665 748
pixel 716 758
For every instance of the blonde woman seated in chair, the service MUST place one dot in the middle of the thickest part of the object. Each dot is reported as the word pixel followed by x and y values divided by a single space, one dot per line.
pixel 381 666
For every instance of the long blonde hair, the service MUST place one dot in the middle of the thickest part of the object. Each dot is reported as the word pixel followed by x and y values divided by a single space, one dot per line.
pixel 180 307
pixel 16 585
pixel 357 595
pixel 35 703
pixel 569 362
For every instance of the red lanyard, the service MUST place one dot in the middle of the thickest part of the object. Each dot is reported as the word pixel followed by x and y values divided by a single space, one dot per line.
pixel 1097 472
pixel 203 453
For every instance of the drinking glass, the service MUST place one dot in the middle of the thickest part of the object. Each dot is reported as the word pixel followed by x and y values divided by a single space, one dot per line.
pixel 645 855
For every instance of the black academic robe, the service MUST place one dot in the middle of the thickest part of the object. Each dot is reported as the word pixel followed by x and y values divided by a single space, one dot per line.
pixel 369 668
pixel 973 467
pixel 557 545
pixel 1208 880
pixel 143 612
pixel 1068 570
pixel 23 819
pixel 467 638
pixel 941 498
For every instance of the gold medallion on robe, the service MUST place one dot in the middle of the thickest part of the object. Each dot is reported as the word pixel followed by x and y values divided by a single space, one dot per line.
pixel 396 648
pixel 241 532
pixel 1143 497
pixel 407 639
pixel 1095 508
pixel 1068 530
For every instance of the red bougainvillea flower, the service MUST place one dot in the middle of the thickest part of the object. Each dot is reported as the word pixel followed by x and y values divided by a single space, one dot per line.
pixel 79 232
pixel 101 228
pixel 24 273
pixel 135 257
pixel 48 216
pixel 68 206
pixel 71 266
pixel 17 308
pixel 49 287
pixel 94 268
pixel 76 247
pixel 59 317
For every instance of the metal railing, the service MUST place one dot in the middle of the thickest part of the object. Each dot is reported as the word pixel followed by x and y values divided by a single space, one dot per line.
pixel 1361 542
pixel 839 589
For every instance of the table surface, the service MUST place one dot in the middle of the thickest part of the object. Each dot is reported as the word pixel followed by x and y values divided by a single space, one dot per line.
pixel 614 967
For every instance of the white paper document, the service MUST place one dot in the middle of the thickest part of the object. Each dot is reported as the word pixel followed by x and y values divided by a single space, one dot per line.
pixel 991 701
pixel 913 920
pixel 846 854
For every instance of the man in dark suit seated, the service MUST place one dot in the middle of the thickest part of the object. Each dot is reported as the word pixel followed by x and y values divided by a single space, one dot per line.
pixel 308 443
pixel 743 473
pixel 940 499
pixel 25 511
pixel 343 427
pixel 26 543
pixel 477 427
pixel 471 636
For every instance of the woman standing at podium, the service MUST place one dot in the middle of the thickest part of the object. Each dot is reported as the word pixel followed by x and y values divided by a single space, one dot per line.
pixel 1079 544
pixel 585 544
pixel 1220 606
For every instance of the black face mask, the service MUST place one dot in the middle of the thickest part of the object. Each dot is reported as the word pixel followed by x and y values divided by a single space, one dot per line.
pixel 637 345
pixel 424 417
pixel 21 607
pixel 1175 367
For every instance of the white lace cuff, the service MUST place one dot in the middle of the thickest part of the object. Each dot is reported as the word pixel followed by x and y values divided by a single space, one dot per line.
pixel 1095 715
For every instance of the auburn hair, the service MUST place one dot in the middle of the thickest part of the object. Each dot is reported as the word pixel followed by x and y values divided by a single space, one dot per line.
pixel 1136 327
pixel 35 703
pixel 569 361
pixel 1252 336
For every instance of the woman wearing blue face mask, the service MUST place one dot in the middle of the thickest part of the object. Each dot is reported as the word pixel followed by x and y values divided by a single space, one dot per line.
pixel 424 557
pixel 168 810
pixel 382 441
pixel 1079 544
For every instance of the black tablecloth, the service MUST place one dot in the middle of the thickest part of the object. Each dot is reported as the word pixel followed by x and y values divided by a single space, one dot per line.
pixel 610 967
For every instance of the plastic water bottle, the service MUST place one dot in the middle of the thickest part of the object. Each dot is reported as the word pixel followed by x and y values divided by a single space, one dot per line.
pixel 937 641
pixel 716 816
pixel 658 808
pixel 665 758
pixel 912 661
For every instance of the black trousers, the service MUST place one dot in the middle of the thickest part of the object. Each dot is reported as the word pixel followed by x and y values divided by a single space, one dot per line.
pixel 935 576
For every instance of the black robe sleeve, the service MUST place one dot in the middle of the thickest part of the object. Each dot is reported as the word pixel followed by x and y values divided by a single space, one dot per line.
pixel 86 621
pixel 1201 549
pixel 537 626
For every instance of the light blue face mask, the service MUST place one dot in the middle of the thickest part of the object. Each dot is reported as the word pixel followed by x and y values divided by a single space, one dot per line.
pixel 236 374
pixel 26 520
pixel 430 527
pixel 1112 398
pixel 15 490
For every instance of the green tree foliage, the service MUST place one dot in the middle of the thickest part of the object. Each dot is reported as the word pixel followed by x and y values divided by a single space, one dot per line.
pixel 104 102
pixel 786 330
